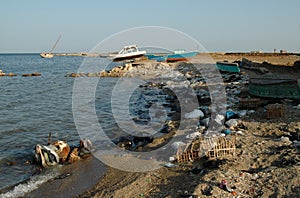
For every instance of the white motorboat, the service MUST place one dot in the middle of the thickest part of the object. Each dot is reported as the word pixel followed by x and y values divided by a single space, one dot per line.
pixel 129 52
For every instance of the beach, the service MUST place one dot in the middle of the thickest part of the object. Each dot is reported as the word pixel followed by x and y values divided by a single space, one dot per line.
pixel 266 164
pixel 266 161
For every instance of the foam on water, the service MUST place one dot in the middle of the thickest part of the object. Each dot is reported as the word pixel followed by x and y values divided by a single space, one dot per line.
pixel 30 185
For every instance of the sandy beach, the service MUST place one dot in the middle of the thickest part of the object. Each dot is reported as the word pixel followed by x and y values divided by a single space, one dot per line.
pixel 266 164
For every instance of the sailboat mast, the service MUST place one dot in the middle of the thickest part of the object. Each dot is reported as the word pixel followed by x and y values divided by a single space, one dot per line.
pixel 55 43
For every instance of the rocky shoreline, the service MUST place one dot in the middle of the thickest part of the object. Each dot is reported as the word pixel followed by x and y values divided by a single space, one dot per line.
pixel 267 149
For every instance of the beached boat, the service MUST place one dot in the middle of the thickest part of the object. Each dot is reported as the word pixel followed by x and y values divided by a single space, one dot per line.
pixel 129 52
pixel 181 55
pixel 158 58
pixel 228 67
pixel 49 54
pixel 275 87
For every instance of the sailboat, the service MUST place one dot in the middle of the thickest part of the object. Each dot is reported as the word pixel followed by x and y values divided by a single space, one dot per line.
pixel 49 54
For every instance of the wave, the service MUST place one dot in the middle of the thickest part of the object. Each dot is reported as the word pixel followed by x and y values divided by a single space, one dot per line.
pixel 31 184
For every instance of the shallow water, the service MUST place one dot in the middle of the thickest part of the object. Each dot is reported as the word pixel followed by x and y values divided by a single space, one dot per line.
pixel 31 107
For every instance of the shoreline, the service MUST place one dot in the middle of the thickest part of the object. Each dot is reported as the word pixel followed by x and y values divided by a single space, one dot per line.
pixel 265 159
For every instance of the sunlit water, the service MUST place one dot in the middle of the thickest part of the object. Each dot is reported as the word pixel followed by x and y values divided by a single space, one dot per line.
pixel 31 107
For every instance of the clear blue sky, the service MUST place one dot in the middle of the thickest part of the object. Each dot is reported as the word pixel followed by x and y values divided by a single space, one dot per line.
pixel 219 25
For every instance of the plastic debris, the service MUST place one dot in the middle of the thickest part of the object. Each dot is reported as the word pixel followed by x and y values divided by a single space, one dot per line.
pixel 240 133
pixel 171 159
pixel 220 119
pixel 225 186
pixel 226 131
pixel 229 115
pixel 169 165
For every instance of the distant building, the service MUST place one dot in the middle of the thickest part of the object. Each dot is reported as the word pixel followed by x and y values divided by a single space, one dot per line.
pixel 282 51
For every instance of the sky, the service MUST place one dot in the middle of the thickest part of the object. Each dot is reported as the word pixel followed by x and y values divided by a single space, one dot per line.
pixel 218 25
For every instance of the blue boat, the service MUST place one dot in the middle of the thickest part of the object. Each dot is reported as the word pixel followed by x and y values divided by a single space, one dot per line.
pixel 158 58
pixel 228 67
pixel 181 55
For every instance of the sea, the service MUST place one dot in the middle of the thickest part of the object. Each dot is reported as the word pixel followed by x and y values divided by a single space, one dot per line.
pixel 32 107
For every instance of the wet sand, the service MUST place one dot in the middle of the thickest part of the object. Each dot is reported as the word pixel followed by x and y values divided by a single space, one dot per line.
pixel 74 179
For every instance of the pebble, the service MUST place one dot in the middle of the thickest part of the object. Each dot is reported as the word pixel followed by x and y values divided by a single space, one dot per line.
pixel 255 176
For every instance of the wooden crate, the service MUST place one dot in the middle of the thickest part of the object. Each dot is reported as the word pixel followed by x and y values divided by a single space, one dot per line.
pixel 275 111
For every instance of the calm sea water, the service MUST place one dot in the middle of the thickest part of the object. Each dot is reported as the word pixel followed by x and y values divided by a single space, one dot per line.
pixel 31 107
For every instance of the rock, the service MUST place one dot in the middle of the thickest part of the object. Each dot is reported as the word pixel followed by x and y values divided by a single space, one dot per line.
pixel 2 73
pixel 193 135
pixel 36 74
pixel 285 139
pixel 251 111
pixel 74 75
pixel 176 145
pixel 194 114
pixel 91 75
pixel 297 107
pixel 205 122
pixel 297 64
pixel 11 74
pixel 242 113
pixel 296 143
pixel 231 123
pixel 255 176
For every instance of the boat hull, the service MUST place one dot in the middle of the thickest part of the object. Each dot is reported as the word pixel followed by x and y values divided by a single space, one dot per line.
pixel 122 58
pixel 228 67
pixel 275 87
pixel 46 55
pixel 181 56
pixel 158 58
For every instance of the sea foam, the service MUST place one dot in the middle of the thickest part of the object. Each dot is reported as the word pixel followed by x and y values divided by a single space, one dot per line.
pixel 30 185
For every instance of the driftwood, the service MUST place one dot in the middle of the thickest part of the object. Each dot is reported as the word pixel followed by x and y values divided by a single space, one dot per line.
pixel 213 147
